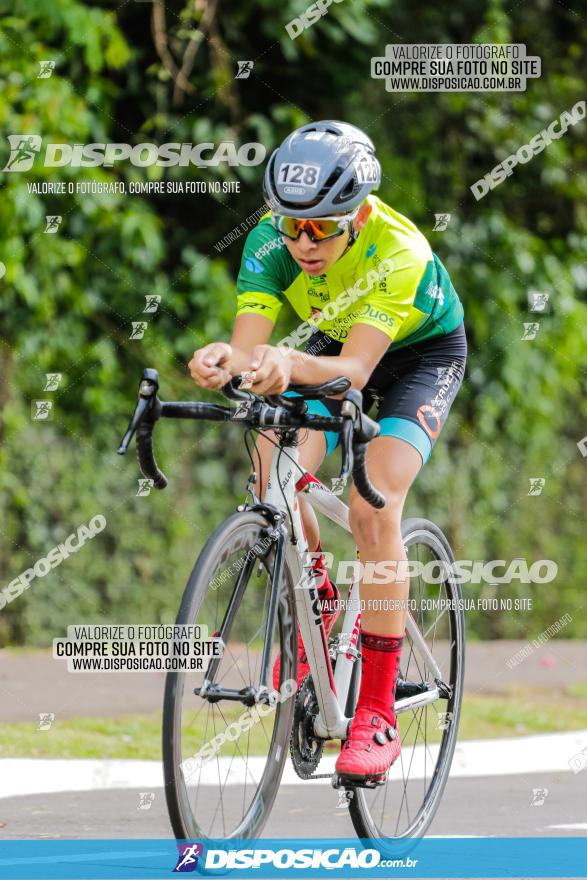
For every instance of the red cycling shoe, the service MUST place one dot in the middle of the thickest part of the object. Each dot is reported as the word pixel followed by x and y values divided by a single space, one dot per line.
pixel 330 611
pixel 370 750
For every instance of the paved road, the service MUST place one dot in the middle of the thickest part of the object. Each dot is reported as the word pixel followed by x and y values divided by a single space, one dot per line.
pixel 497 806
pixel 33 682
pixel 487 806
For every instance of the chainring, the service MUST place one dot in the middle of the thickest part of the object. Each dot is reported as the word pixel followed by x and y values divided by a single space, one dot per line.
pixel 304 746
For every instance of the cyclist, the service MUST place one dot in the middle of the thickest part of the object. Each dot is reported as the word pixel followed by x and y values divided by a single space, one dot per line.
pixel 378 306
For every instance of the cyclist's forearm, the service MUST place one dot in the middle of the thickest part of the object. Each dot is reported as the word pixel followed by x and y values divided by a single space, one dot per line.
pixel 311 370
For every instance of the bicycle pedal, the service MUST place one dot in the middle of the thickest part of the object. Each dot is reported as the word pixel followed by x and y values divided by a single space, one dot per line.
pixel 341 781
pixel 335 781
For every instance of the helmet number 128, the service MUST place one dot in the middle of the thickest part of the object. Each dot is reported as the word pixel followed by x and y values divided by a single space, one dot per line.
pixel 306 174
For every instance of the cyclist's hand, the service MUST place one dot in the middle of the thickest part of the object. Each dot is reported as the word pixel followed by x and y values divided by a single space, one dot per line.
pixel 210 366
pixel 272 368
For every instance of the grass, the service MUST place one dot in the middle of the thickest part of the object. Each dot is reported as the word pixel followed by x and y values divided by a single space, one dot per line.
pixel 519 712
pixel 578 690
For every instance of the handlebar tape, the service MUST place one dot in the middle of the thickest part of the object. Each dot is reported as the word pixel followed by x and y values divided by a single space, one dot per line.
pixel 147 463
pixel 364 487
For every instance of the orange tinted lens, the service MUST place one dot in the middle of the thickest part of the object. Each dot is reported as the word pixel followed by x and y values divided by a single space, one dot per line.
pixel 317 229
pixel 323 228
pixel 296 226
pixel 289 226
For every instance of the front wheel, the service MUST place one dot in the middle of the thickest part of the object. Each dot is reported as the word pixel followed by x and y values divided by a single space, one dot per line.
pixel 405 805
pixel 223 760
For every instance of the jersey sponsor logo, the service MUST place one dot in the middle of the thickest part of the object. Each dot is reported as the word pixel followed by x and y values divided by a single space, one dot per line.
pixel 435 291
pixel 345 298
pixel 323 296
pixel 371 250
pixel 259 307
pixel 253 265
pixel 340 330
pixel 449 382
pixel 338 334
pixel 429 419
pixel 377 315
pixel 268 247
pixel 384 271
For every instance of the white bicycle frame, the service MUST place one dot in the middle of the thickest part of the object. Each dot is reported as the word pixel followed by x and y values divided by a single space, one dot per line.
pixel 331 688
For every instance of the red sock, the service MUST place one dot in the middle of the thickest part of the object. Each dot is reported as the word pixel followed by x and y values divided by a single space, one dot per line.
pixel 380 665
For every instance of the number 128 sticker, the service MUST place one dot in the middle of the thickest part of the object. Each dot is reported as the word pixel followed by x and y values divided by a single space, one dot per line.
pixel 367 171
pixel 307 175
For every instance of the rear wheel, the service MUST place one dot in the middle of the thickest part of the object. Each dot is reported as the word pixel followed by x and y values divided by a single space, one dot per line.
pixel 405 805
pixel 223 760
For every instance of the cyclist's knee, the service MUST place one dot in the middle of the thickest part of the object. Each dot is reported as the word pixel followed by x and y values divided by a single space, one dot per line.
pixel 371 525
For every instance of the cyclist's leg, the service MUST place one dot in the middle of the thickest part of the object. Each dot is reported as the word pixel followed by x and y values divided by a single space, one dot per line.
pixel 412 411
pixel 373 744
pixel 392 465
pixel 425 380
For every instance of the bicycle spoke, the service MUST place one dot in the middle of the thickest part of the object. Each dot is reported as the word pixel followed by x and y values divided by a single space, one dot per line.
pixel 237 747
pixel 440 616
pixel 425 733
pixel 413 655
pixel 384 802
pixel 226 792
pixel 437 618
pixel 220 802
pixel 201 764
pixel 410 806
pixel 403 796
pixel 245 782
pixel 265 732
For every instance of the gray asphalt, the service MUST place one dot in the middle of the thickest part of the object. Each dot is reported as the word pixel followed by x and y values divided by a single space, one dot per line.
pixel 499 806
pixel 34 682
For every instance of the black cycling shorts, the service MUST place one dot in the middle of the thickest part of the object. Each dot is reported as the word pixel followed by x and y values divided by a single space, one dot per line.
pixel 413 388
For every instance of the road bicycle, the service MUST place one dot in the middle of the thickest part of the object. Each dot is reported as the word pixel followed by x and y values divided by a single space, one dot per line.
pixel 226 732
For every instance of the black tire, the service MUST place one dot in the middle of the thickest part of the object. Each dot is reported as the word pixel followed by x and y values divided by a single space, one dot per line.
pixel 364 804
pixel 241 531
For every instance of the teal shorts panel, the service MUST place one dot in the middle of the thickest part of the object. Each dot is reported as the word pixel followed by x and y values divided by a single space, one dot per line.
pixel 318 408
pixel 408 431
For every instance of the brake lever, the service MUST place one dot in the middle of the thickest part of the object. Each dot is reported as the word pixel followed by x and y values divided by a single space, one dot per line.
pixel 365 428
pixel 147 402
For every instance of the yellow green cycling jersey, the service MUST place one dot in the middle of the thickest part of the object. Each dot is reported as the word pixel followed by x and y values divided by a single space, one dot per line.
pixel 389 279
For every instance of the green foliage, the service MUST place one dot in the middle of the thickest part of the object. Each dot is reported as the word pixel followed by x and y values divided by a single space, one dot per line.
pixel 67 300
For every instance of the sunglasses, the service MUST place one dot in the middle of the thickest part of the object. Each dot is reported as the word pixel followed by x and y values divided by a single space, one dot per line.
pixel 318 229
